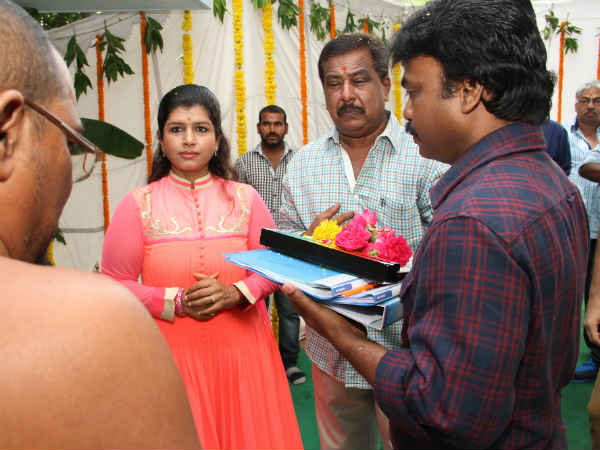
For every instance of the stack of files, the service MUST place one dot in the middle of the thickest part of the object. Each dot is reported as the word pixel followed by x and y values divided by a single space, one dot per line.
pixel 373 305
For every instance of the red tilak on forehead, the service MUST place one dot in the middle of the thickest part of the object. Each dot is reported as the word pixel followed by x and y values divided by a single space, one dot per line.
pixel 344 68
pixel 188 119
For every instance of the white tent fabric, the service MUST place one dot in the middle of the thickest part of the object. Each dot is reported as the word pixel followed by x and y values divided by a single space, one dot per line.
pixel 82 220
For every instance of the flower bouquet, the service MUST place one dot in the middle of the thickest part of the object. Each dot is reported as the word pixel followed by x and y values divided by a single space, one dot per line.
pixel 360 248
pixel 362 237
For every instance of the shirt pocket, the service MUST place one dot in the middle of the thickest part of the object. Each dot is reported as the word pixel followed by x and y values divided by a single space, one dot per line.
pixel 404 218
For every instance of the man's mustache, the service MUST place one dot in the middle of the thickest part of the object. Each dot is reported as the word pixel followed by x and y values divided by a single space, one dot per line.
pixel 410 130
pixel 349 107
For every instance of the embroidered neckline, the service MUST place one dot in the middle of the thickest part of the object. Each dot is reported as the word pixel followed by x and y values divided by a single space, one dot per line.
pixel 198 183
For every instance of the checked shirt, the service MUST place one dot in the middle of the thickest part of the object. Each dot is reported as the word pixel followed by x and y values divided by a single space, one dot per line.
pixel 492 305
pixel 582 153
pixel 394 183
pixel 255 169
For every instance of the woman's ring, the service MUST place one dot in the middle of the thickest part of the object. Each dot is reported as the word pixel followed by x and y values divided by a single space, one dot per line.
pixel 212 297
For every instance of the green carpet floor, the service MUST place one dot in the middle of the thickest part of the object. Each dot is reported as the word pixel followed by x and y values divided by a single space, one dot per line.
pixel 575 399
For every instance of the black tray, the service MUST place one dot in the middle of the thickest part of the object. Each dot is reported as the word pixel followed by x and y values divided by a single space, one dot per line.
pixel 308 250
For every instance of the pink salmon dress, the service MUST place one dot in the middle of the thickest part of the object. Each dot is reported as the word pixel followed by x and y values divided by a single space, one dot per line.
pixel 230 364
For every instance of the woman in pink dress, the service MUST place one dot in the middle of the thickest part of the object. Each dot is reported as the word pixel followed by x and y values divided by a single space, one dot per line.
pixel 173 233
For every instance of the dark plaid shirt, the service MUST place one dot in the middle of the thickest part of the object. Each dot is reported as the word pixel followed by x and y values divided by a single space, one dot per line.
pixel 255 169
pixel 492 305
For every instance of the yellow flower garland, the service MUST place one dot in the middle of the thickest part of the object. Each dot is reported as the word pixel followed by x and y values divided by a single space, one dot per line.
pixel 397 83
pixel 188 63
pixel 269 46
pixel 50 254
pixel 240 88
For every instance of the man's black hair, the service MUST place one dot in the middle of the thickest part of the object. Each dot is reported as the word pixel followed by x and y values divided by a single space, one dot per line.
pixel 493 42
pixel 272 109
pixel 348 42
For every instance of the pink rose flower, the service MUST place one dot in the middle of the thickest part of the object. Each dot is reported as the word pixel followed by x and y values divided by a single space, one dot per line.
pixel 354 237
pixel 370 251
pixel 393 248
pixel 370 217
pixel 358 221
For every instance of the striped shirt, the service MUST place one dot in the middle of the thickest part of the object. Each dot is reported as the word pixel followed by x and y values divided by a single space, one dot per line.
pixel 394 183
pixel 255 169
pixel 580 150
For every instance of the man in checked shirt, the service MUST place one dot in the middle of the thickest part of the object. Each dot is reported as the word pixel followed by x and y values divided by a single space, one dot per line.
pixel 492 305
pixel 367 161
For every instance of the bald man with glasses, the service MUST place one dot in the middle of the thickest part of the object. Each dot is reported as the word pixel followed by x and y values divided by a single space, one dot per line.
pixel 83 364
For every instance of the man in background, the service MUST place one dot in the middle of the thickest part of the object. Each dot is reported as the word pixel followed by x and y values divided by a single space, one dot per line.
pixel 492 304
pixel 557 144
pixel 584 138
pixel 264 167
pixel 83 364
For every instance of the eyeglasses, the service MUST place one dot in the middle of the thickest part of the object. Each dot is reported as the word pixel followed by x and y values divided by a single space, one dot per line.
pixel 82 144
pixel 586 101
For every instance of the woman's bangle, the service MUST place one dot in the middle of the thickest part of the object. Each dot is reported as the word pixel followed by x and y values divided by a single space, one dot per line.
pixel 179 310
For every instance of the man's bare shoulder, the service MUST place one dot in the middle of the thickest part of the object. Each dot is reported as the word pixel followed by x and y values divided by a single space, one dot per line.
pixel 84 365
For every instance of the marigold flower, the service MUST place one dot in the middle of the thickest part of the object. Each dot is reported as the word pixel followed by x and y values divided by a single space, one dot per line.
pixel 327 230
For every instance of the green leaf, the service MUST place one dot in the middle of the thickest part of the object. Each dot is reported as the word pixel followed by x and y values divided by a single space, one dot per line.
pixel 546 33
pixel 81 83
pixel 371 24
pixel 318 15
pixel 114 41
pixel 152 36
pixel 552 21
pixel 287 14
pixel 259 4
pixel 60 237
pixel 111 139
pixel 114 66
pixel 81 58
pixel 219 9
pixel 70 55
pixel 351 26
pixel 571 45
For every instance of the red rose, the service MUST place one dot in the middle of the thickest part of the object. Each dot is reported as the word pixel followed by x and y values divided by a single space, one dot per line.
pixel 358 221
pixel 354 236
pixel 393 248
pixel 370 217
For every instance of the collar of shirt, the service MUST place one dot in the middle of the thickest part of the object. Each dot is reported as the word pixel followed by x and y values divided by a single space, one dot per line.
pixel 391 130
pixel 575 130
pixel 183 183
pixel 286 149
pixel 513 138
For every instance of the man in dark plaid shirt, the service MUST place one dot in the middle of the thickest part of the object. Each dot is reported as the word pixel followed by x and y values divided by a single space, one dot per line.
pixel 264 168
pixel 492 304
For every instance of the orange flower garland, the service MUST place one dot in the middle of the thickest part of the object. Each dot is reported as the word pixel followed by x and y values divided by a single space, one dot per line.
pixel 147 125
pixel 561 63
pixel 366 25
pixel 332 19
pixel 100 79
pixel 598 74
pixel 303 73
pixel 397 90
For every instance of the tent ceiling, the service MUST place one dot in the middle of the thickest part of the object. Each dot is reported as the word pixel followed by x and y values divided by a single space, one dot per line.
pixel 114 5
